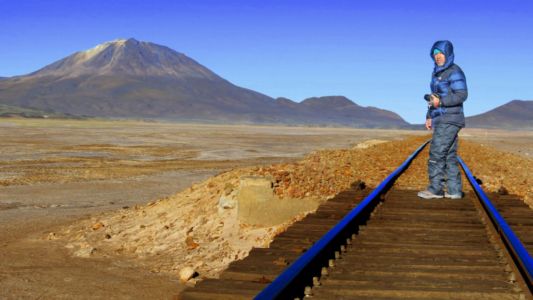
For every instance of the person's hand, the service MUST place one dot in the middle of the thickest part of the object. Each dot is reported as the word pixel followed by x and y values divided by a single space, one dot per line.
pixel 435 101
pixel 428 124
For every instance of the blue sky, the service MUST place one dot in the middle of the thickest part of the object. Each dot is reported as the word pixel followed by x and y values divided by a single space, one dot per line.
pixel 374 52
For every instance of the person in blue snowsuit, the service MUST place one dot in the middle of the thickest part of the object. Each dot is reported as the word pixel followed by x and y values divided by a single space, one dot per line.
pixel 446 117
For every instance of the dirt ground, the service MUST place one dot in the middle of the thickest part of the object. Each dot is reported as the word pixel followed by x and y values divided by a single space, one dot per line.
pixel 55 172
pixel 64 176
pixel 518 142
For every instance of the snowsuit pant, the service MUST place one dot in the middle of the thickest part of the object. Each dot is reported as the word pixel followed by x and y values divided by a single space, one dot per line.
pixel 443 168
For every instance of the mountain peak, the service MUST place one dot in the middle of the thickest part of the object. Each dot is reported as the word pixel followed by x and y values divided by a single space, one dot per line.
pixel 128 57
pixel 122 42
pixel 117 43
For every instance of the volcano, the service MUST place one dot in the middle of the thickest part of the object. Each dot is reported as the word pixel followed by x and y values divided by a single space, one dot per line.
pixel 127 78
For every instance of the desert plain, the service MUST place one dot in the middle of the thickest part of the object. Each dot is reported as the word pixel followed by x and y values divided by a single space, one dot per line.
pixel 62 178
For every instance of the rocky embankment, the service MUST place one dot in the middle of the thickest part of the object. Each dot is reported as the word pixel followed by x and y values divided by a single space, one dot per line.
pixel 201 230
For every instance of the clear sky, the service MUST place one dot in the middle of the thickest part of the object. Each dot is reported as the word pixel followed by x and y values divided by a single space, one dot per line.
pixel 374 52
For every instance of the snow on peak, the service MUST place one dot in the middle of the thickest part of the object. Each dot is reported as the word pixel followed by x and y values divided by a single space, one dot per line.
pixel 90 53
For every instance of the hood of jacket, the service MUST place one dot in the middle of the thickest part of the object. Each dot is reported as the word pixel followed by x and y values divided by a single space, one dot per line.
pixel 446 48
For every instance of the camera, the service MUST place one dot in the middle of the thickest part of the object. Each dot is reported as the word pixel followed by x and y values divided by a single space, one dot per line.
pixel 427 97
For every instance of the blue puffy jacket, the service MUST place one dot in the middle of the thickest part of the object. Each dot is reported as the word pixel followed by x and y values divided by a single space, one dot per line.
pixel 449 82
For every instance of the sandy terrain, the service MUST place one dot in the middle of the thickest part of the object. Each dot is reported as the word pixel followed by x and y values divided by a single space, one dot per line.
pixel 54 173
pixel 101 209
pixel 516 141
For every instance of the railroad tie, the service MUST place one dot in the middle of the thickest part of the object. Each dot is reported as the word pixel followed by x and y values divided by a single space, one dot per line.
pixel 421 249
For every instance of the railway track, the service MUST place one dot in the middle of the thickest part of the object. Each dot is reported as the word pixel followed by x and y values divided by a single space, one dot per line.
pixel 390 244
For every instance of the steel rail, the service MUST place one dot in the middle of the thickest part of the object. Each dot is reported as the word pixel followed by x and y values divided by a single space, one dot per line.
pixel 518 252
pixel 291 283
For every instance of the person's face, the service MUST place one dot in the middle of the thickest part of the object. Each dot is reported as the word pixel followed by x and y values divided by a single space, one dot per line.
pixel 440 59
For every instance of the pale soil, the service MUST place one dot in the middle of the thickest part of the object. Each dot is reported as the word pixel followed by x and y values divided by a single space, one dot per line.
pixel 73 215
pixel 53 173
pixel 516 141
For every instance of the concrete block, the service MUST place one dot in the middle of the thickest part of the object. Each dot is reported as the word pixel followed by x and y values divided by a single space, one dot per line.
pixel 258 205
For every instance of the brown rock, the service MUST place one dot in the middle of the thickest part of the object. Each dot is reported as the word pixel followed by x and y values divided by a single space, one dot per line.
pixel 186 274
pixel 97 226
pixel 228 188
pixel 191 244
pixel 503 191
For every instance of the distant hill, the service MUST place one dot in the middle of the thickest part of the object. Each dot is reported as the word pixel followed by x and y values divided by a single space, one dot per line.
pixel 133 79
pixel 517 114
pixel 341 110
